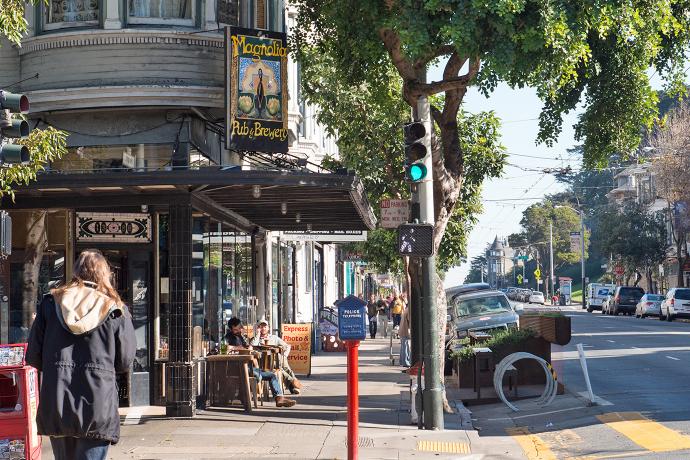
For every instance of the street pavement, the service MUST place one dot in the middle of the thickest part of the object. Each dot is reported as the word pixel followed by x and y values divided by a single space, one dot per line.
pixel 639 371
pixel 314 429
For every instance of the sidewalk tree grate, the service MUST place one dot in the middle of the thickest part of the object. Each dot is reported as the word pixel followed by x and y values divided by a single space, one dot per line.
pixel 443 447
pixel 363 442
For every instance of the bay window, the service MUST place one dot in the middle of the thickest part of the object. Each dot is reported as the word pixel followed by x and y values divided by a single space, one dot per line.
pixel 160 11
pixel 71 13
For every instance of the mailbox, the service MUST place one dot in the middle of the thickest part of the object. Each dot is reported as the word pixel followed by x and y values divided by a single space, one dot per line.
pixel 19 389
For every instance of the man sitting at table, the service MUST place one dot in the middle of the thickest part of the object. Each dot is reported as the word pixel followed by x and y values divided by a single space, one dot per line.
pixel 235 339
pixel 264 337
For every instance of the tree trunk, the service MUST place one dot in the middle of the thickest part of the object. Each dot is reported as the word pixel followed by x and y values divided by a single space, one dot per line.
pixel 36 240
pixel 650 282
pixel 680 281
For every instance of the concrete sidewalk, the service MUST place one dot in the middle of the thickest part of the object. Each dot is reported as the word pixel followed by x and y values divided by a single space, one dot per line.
pixel 316 428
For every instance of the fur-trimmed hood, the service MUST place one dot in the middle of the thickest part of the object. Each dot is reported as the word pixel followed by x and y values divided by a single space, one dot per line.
pixel 83 308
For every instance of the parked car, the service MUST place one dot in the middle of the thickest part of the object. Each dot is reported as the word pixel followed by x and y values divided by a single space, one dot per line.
pixel 511 293
pixel 624 300
pixel 676 304
pixel 537 297
pixel 649 305
pixel 597 294
pixel 520 295
pixel 480 310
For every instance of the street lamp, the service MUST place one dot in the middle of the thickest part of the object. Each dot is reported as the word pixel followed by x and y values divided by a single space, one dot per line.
pixel 582 245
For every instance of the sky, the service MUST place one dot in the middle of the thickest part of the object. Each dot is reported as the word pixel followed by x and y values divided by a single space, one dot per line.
pixel 505 198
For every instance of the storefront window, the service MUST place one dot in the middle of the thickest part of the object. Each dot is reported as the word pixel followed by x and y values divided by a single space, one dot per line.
pixel 287 288
pixel 200 261
pixel 36 266
pixel 213 256
pixel 71 13
pixel 126 158
pixel 164 286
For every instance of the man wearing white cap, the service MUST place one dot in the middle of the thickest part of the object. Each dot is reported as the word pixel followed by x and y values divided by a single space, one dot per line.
pixel 264 337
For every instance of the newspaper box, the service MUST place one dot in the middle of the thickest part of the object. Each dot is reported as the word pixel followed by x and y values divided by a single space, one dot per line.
pixel 19 439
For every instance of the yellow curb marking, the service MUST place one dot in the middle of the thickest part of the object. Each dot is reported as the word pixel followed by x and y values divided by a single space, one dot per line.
pixel 635 453
pixel 532 445
pixel 644 432
pixel 443 447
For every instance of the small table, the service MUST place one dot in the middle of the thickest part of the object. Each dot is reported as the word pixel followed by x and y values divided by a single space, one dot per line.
pixel 477 337
pixel 228 375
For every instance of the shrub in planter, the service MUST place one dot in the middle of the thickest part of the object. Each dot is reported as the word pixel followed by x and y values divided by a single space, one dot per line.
pixel 502 344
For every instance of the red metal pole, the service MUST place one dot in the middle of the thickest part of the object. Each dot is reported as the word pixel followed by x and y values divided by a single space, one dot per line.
pixel 352 399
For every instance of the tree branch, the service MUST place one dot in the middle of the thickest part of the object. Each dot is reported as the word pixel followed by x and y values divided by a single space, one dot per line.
pixel 446 84
pixel 454 66
pixel 443 50
pixel 391 40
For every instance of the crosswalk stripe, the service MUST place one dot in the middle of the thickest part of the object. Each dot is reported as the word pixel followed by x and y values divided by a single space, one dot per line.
pixel 644 432
pixel 532 445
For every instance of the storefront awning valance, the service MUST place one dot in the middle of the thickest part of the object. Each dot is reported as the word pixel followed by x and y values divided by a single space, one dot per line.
pixel 273 200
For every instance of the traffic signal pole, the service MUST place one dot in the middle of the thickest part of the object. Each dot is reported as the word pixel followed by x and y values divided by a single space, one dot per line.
pixel 433 388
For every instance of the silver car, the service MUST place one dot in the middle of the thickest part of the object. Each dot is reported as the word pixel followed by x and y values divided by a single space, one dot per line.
pixel 484 310
pixel 649 305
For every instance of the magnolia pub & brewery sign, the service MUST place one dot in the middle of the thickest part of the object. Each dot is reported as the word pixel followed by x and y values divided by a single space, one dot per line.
pixel 114 227
pixel 256 90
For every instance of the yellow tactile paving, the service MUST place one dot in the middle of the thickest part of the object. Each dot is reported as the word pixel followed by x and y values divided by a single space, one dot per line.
pixel 532 445
pixel 443 447
pixel 644 432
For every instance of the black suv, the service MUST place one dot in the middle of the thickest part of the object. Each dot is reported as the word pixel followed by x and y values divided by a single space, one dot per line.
pixel 625 300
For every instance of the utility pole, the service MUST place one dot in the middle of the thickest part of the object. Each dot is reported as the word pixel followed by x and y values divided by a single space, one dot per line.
pixel 433 388
pixel 551 256
pixel 582 256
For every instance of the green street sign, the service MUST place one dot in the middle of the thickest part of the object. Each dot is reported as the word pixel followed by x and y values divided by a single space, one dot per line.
pixel 523 257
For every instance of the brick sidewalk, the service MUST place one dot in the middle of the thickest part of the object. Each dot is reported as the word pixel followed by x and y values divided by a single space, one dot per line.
pixel 314 429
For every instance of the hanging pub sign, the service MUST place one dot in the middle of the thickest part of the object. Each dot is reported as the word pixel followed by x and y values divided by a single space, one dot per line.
pixel 256 90
pixel 114 227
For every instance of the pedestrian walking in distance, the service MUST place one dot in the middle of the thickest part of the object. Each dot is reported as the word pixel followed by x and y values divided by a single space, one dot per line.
pixel 372 313
pixel 396 310
pixel 81 338
pixel 404 333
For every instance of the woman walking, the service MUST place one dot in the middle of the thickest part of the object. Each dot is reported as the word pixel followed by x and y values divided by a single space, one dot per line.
pixel 82 337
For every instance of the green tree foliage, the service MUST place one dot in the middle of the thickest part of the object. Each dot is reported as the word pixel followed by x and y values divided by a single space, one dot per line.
pixel 634 238
pixel 12 22
pixel 597 52
pixel 44 145
pixel 535 223
pixel 367 121
pixel 477 266
pixel 593 53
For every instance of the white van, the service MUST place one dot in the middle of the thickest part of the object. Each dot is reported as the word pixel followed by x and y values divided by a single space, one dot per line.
pixel 596 294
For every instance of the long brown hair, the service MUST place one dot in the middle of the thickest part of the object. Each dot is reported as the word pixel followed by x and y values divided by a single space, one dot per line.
pixel 92 267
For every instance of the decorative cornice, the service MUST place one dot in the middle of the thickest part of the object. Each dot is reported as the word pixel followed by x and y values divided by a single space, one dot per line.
pixel 125 96
pixel 116 37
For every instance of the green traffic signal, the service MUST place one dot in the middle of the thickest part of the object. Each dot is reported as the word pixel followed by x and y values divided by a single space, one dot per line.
pixel 415 172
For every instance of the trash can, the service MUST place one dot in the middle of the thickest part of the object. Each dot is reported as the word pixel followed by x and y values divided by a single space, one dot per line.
pixel 19 389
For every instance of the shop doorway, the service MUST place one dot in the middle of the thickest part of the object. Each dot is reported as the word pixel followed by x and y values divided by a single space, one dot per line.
pixel 132 277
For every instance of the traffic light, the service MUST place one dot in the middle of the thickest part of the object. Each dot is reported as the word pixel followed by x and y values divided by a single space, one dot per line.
pixel 13 128
pixel 415 151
